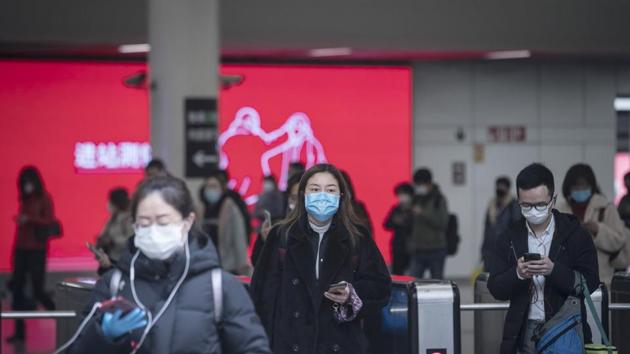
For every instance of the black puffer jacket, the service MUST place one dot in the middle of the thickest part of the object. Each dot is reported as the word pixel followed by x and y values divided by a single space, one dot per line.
pixel 188 325
pixel 571 249
pixel 289 298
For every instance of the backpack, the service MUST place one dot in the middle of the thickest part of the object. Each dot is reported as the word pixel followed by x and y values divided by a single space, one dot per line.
pixel 116 284
pixel 452 235
pixel 452 229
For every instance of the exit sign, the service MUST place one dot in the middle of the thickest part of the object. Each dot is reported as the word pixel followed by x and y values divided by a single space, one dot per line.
pixel 507 134
pixel 436 351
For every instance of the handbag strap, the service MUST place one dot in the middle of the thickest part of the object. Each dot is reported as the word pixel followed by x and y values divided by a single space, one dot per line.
pixel 589 301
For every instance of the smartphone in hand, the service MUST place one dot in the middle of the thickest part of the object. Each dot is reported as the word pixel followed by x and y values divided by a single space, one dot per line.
pixel 117 303
pixel 531 257
pixel 337 287
pixel 97 252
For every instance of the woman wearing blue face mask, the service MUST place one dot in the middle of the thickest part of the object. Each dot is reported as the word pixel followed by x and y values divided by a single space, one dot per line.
pixel 583 199
pixel 319 272
pixel 169 286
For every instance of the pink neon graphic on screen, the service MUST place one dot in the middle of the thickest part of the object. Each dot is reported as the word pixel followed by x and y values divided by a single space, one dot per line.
pixel 288 141
pixel 358 118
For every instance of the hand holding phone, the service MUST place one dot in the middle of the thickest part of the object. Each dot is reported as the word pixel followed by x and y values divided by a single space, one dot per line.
pixel 117 303
pixel 528 257
pixel 338 287
pixel 96 251
pixel 338 293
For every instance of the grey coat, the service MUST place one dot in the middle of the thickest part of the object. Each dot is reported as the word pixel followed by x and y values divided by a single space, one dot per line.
pixel 188 325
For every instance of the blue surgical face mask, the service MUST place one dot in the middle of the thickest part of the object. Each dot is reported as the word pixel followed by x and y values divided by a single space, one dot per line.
pixel 322 206
pixel 212 195
pixel 581 196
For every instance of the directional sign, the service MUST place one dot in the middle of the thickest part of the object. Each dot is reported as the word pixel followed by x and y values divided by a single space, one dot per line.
pixel 200 116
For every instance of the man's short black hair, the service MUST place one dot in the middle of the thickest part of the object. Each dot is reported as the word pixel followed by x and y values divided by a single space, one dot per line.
pixel 156 164
pixel 404 188
pixel 535 175
pixel 504 180
pixel 422 175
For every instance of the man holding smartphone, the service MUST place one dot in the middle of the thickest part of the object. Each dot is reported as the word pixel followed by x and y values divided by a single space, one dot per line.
pixel 532 263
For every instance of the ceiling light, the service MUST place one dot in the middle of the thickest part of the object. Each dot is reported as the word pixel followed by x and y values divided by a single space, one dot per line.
pixel 134 48
pixel 509 54
pixel 330 52
pixel 622 104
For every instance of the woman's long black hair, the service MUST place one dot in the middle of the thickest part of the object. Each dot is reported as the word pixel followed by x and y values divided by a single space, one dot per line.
pixel 345 215
pixel 576 172
pixel 30 174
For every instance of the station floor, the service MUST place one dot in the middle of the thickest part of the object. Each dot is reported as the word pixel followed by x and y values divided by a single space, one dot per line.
pixel 41 333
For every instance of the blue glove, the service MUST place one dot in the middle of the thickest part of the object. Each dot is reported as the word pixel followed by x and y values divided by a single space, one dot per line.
pixel 113 326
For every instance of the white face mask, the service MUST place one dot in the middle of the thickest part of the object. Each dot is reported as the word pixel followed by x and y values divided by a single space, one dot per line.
pixel 29 188
pixel 536 217
pixel 160 241
pixel 268 187
pixel 404 199
pixel 422 190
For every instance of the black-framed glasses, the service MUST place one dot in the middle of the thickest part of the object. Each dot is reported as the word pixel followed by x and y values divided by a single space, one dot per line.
pixel 538 206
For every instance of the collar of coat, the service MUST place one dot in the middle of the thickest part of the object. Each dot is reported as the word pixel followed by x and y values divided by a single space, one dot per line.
pixel 337 253
pixel 566 225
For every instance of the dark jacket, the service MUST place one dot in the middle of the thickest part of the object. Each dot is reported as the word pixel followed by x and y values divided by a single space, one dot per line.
pixel 290 301
pixel 498 219
pixel 40 213
pixel 399 221
pixel 188 325
pixel 571 249
pixel 429 227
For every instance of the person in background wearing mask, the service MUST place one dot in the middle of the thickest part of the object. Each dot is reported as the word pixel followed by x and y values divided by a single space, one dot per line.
pixel 240 203
pixel 583 198
pixel 290 197
pixel 319 273
pixel 155 167
pixel 503 210
pixel 427 244
pixel 166 272
pixel 624 203
pixel 224 223
pixel 29 249
pixel 113 239
pixel 537 289
pixel 270 200
pixel 399 221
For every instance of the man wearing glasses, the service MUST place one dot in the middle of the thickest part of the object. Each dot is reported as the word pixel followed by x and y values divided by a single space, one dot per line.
pixel 532 263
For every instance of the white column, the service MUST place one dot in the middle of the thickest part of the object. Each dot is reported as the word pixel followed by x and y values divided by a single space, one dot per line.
pixel 183 62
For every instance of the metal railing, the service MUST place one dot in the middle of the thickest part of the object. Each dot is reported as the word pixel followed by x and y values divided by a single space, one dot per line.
pixel 505 306
pixel 14 315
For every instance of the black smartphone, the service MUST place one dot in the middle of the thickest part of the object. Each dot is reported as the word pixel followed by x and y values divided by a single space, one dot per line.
pixel 96 251
pixel 531 257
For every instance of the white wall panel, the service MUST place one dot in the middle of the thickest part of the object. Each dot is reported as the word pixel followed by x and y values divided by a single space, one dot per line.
pixel 505 93
pixel 602 162
pixel 561 95
pixel 443 94
pixel 599 98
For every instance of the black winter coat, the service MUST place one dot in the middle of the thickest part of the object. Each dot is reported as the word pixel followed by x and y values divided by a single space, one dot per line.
pixel 188 325
pixel 571 249
pixel 290 301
